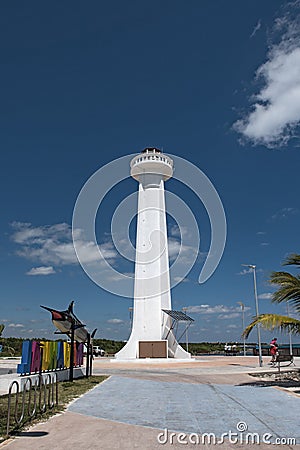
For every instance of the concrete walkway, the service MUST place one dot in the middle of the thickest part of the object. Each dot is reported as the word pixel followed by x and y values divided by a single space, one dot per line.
pixel 139 401
pixel 192 408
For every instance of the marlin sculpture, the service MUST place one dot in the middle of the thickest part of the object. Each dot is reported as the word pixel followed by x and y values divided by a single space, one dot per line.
pixel 64 320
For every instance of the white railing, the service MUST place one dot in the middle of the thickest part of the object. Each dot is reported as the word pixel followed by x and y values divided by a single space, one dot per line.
pixel 152 157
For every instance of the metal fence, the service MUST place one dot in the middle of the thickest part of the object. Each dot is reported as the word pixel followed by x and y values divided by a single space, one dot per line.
pixel 37 395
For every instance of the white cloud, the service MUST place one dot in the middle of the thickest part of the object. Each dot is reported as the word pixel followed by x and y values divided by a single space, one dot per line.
pixel 233 315
pixel 116 276
pixel 25 232
pixel 265 244
pixel 216 309
pixel 180 280
pixel 266 296
pixel 174 248
pixel 52 244
pixel 41 271
pixel 115 321
pixel 284 213
pixel 261 232
pixel 178 232
pixel 275 110
pixel 256 28
pixel 247 271
pixel 184 252
pixel 15 325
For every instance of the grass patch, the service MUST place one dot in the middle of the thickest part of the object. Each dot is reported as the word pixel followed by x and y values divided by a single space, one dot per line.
pixel 67 391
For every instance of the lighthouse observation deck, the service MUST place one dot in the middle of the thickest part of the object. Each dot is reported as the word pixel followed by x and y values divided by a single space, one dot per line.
pixel 151 161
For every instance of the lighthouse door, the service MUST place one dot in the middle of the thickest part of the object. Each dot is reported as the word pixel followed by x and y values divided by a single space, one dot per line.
pixel 153 349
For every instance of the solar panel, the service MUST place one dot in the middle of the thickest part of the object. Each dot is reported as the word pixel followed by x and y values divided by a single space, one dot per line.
pixel 178 315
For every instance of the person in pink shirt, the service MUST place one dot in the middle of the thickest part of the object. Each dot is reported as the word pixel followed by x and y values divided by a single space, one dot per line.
pixel 273 350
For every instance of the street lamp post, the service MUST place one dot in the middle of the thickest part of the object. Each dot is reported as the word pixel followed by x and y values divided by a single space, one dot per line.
pixel 253 267
pixel 130 309
pixel 243 325
pixel 184 309
pixel 290 333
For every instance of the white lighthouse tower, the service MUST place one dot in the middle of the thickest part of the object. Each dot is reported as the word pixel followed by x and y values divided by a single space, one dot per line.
pixel 152 327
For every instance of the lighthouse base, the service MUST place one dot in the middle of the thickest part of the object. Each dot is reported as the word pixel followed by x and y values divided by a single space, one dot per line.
pixel 153 360
pixel 152 349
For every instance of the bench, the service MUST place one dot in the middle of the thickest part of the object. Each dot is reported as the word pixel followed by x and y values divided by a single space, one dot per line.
pixel 284 358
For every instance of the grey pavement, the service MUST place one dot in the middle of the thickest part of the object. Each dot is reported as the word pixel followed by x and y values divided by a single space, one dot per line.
pixel 9 365
pixel 4 371
pixel 8 373
pixel 193 408
pixel 139 401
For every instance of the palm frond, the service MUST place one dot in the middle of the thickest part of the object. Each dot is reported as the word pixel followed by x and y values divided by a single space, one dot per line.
pixel 272 322
pixel 289 289
pixel 293 259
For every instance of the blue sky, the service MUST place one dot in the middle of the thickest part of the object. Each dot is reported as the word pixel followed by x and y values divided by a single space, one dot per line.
pixel 84 84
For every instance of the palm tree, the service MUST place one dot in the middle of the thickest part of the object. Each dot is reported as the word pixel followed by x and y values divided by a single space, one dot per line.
pixel 289 291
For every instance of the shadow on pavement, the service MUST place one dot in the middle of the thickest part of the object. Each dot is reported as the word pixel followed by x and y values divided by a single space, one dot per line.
pixel 268 383
pixel 32 433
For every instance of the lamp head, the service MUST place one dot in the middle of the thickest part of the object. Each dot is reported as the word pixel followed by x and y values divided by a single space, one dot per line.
pixel 251 266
